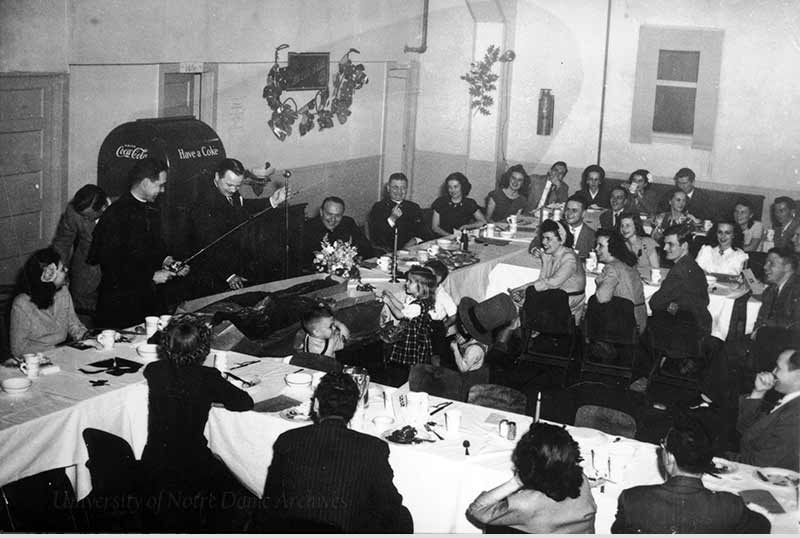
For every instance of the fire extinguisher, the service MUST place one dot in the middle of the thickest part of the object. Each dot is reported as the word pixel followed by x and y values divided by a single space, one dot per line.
pixel 544 126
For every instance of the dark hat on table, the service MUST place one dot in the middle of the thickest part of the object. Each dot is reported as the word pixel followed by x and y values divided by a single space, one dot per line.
pixel 480 319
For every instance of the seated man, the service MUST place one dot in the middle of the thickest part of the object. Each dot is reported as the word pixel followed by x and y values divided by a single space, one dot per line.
pixel 778 323
pixel 770 436
pixel 582 233
pixel 680 306
pixel 698 203
pixel 618 199
pixel 683 504
pixel 396 212
pixel 333 225
pixel 787 221
pixel 328 475
pixel 548 189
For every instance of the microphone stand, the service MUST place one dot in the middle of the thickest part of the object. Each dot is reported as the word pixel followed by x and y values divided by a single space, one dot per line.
pixel 394 256
pixel 286 174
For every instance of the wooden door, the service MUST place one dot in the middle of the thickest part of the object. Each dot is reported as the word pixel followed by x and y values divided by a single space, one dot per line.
pixel 32 172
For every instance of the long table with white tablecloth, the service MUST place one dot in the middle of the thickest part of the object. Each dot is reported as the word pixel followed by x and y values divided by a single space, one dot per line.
pixel 41 430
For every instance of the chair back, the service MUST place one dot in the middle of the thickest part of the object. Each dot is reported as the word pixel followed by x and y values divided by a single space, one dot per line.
pixel 755 262
pixel 112 464
pixel 605 419
pixel 498 397
pixel 436 381
pixel 315 361
pixel 547 312
pixel 612 322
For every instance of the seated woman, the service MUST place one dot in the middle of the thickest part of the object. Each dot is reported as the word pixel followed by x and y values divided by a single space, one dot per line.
pixel 320 332
pixel 643 247
pixel 593 187
pixel 548 492
pixel 42 315
pixel 176 459
pixel 641 200
pixel 752 229
pixel 560 268
pixel 455 210
pixel 510 197
pixel 619 277
pixel 677 214
pixel 723 255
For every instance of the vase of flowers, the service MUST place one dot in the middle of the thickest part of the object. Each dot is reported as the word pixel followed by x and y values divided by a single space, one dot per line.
pixel 338 259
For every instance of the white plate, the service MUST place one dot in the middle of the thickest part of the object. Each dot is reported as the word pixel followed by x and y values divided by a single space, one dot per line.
pixel 777 476
pixel 293 415
pixel 16 385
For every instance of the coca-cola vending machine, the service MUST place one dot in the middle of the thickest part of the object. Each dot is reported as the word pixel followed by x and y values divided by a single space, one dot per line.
pixel 191 149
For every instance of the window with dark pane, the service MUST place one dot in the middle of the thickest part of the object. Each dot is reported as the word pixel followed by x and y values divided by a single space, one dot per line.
pixel 678 65
pixel 674 110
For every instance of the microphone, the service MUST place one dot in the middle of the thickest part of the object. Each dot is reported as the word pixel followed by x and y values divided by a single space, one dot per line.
pixel 287 174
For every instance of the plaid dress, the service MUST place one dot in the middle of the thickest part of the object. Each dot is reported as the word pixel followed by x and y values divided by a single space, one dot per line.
pixel 415 345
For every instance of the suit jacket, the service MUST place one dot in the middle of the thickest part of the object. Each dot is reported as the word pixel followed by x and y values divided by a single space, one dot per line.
pixel 327 473
pixel 683 505
pixel 410 225
pixel 606 220
pixel 584 243
pixel 211 216
pixel 769 439
pixel 701 205
pixel 128 246
pixel 538 183
pixel 347 230
pixel 686 285
pixel 784 238
pixel 781 310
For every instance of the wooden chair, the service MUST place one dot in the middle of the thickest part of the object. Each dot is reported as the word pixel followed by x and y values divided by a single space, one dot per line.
pixel 498 397
pixel 605 419
pixel 614 325
pixel 436 381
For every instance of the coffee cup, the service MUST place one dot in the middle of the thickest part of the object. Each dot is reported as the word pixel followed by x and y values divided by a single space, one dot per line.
pixel 30 364
pixel 434 249
pixel 163 321
pixel 107 339
pixel 655 276
pixel 512 219
pixel 150 325
pixel 452 419
pixel 490 230
pixel 770 235
pixel 418 406
pixel 384 263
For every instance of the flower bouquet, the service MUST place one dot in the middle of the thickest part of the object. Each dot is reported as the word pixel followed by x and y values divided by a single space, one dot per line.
pixel 338 259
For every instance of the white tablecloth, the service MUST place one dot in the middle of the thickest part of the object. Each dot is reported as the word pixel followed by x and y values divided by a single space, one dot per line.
pixel 721 299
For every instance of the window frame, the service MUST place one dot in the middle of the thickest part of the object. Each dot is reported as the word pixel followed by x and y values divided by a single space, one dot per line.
pixel 653 39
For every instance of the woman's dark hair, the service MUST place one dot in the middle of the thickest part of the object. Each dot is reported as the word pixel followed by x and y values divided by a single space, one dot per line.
pixel 426 280
pixel 506 178
pixel 186 341
pixel 746 203
pixel 466 186
pixel 41 293
pixel 550 225
pixel 337 395
pixel 148 168
pixel 617 247
pixel 439 268
pixel 588 170
pixel 547 459
pixel 640 172
pixel 637 222
pixel 738 234
pixel 89 197
pixel 675 191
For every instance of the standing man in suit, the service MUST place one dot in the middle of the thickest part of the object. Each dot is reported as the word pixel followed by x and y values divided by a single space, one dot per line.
pixel 786 221
pixel 770 436
pixel 331 223
pixel 683 504
pixel 396 212
pixel 582 232
pixel 328 475
pixel 132 255
pixel 617 199
pixel 548 189
pixel 217 208
pixel 680 317
pixel 778 323
pixel 698 202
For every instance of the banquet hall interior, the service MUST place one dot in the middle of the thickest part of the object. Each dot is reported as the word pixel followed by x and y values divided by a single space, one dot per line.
pixel 327 98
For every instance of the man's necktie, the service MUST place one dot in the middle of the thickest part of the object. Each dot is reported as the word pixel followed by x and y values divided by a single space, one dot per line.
pixel 230 200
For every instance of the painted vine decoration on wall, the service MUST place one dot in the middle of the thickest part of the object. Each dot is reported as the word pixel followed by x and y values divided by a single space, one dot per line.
pixel 322 107
pixel 482 80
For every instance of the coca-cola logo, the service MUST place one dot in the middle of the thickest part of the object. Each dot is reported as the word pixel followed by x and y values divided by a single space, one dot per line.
pixel 130 151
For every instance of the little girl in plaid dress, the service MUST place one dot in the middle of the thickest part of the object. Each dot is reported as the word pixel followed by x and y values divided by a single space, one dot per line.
pixel 414 347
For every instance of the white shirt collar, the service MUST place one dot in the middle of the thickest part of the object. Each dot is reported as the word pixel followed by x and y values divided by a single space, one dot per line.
pixel 576 231
pixel 140 199
pixel 786 399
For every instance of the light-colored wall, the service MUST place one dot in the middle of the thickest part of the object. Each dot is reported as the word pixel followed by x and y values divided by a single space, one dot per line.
pixel 34 36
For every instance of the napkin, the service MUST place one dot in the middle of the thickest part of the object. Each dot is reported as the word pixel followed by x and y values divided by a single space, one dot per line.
pixel 762 498
pixel 273 405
